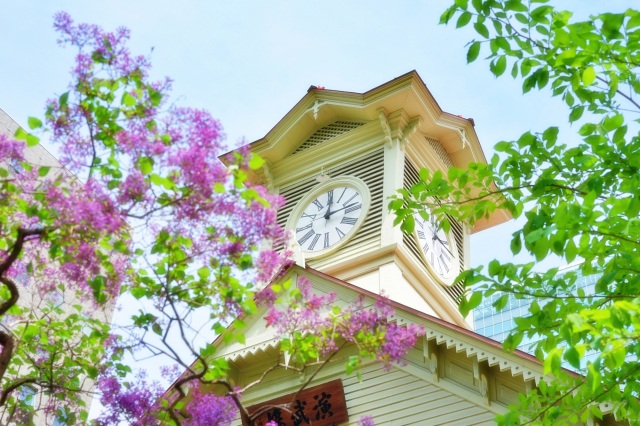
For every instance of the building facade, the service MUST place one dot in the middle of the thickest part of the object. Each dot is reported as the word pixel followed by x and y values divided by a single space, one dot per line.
pixel 337 157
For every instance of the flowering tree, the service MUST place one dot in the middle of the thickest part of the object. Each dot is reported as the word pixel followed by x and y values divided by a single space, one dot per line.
pixel 577 200
pixel 144 209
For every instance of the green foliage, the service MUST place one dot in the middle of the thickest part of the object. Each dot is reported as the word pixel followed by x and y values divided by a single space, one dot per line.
pixel 578 201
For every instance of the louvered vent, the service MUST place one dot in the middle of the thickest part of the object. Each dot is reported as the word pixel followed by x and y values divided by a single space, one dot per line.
pixel 442 153
pixel 369 168
pixel 411 177
pixel 328 132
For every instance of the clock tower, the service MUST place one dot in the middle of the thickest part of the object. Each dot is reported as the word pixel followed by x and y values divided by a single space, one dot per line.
pixel 337 157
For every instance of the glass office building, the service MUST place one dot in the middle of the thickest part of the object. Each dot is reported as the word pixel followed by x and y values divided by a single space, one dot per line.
pixel 497 325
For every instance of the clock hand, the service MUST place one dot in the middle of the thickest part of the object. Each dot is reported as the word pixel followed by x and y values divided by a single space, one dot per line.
pixel 335 211
pixel 443 244
pixel 328 214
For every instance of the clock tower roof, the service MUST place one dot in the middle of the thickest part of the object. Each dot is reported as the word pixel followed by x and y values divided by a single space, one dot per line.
pixel 408 93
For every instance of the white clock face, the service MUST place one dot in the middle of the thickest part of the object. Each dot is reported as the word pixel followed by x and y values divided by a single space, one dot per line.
pixel 330 218
pixel 438 248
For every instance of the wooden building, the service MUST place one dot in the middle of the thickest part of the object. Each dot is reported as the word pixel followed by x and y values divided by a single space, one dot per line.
pixel 363 147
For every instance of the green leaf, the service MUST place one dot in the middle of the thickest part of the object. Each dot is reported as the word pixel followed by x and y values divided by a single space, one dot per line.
pixel 573 357
pixel 448 14
pixel 43 171
pixel 157 329
pixel 474 50
pixel 553 361
pixel 522 18
pixel 464 19
pixel 34 123
pixel 587 129
pixel 63 100
pixel 30 140
pixel 204 273
pixel 408 224
pixel 576 113
pixel 145 164
pixel 634 21
pixel 475 299
pixel 128 100
pixel 154 96
pixel 612 122
pixel 256 162
pixel 218 328
pixel 138 292
pixel 498 66
pixel 588 76
pixel 542 77
pixel 515 5
pixel 516 244
pixel 481 29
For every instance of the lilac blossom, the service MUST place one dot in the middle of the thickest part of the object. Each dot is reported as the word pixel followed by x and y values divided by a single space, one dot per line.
pixel 141 186
pixel 366 421
pixel 208 409
pixel 309 321
pixel 132 402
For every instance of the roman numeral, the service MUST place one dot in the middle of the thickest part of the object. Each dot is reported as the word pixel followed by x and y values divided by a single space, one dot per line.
pixel 326 239
pixel 443 263
pixel 340 233
pixel 348 220
pixel 421 235
pixel 306 236
pixel 426 247
pixel 304 227
pixel 314 241
pixel 353 208
pixel 343 191
pixel 310 216
pixel 352 197
pixel 318 204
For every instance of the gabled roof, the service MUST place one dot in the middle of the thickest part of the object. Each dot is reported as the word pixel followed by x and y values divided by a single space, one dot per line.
pixel 260 339
pixel 407 92
pixel 261 346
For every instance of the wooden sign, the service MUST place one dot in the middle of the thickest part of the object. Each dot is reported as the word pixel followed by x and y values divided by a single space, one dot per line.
pixel 322 405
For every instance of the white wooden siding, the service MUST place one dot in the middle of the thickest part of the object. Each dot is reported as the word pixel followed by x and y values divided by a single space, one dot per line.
pixel 397 398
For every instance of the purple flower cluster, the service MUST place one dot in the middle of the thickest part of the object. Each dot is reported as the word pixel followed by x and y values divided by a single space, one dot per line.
pixel 302 314
pixel 366 421
pixel 133 402
pixel 372 330
pixel 10 150
pixel 96 44
pixel 159 165
pixel 311 316
pixel 207 409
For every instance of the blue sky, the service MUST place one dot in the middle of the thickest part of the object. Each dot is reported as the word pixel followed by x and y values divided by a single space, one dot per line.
pixel 250 62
